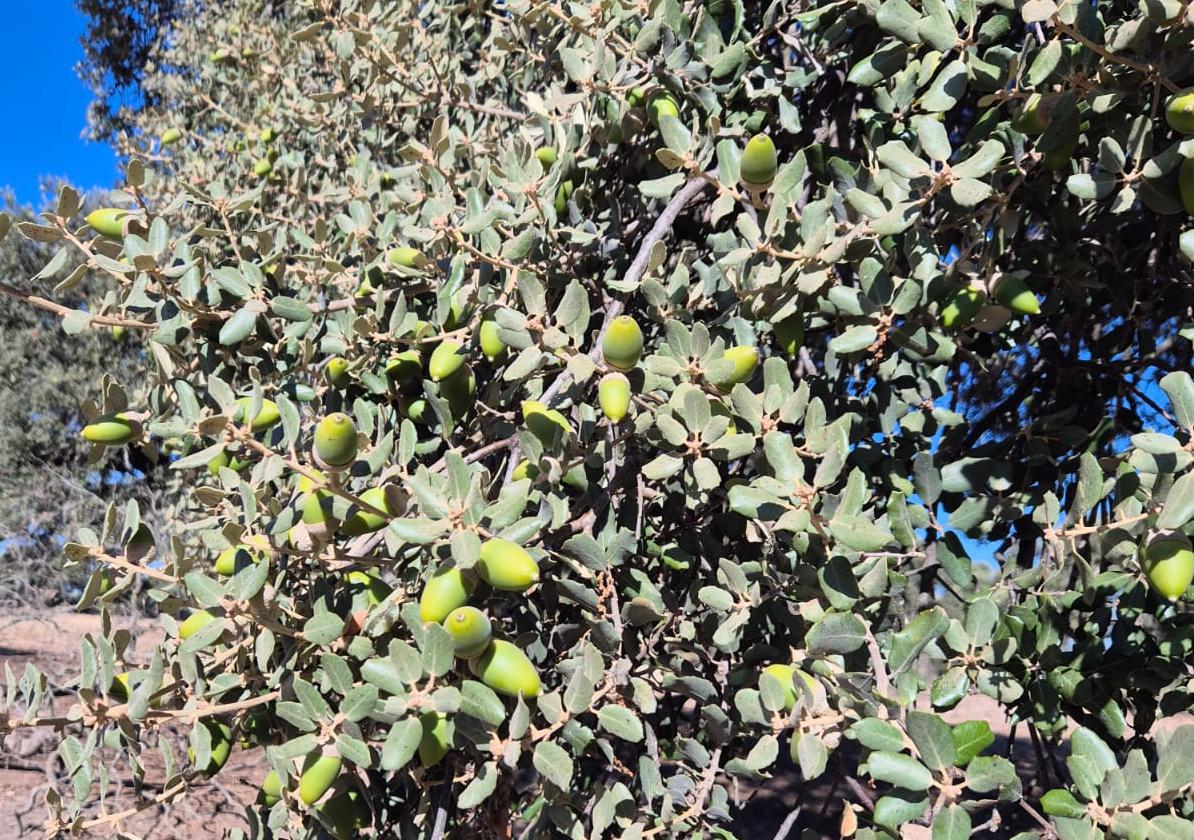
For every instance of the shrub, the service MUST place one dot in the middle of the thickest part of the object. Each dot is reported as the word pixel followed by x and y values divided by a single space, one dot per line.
pixel 838 400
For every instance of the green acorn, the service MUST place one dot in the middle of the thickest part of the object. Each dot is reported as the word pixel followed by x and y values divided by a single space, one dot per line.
pixel 784 673
pixel 635 97
pixel 660 104
pixel 443 593
pixel 433 746
pixel 544 422
pixel 563 195
pixel 266 416
pixel 507 670
pixel 507 565
pixel 367 590
pixel 319 773
pixel 267 135
pixel 417 411
pixel 759 162
pixel 271 789
pixel 459 390
pixel 221 746
pixel 406 257
pixel 111 430
pixel 491 343
pixel 1179 111
pixel 345 814
pixel 194 622
pixel 1168 563
pixel 470 631
pixel 547 156
pixel 745 360
pixel 445 360
pixel 108 221
pixel 170 136
pixel 336 440
pixel 262 167
pixel 337 372
pixel 406 366
pixel 1015 295
pixel 623 343
pixel 613 395
pixel 366 521
pixel 789 333
pixel 234 558
pixel 1185 184
pixel 962 308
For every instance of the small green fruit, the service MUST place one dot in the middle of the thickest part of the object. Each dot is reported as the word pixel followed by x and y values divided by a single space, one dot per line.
pixel 470 630
pixel 445 360
pixel 745 360
pixel 1185 184
pixel 759 162
pixel 1033 119
pixel 507 565
pixel 406 366
pixel 194 622
pixel 367 590
pixel 1179 111
pixel 507 670
pixel 1016 296
pixel 406 257
pixel 491 343
pixel 108 221
pixel 635 98
pixel 221 746
pixel 418 411
pixel 660 104
pixel 266 416
pixel 345 814
pixel 547 156
pixel 236 557
pixel 119 332
pixel 111 430
pixel 268 135
pixel 319 773
pixel 262 167
pixel 459 390
pixel 271 789
pixel 336 440
pixel 784 673
pixel 366 521
pixel 337 372
pixel 433 746
pixel 613 395
pixel 1169 565
pixel 962 308
pixel 170 136
pixel 443 593
pixel 544 422
pixel 789 333
pixel 220 55
pixel 563 195
pixel 623 343
pixel 318 513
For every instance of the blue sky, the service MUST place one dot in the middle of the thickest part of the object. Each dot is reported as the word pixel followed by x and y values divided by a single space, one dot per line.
pixel 43 104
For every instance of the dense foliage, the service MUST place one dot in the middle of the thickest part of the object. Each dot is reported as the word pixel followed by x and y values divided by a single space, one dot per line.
pixel 474 334
pixel 50 489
